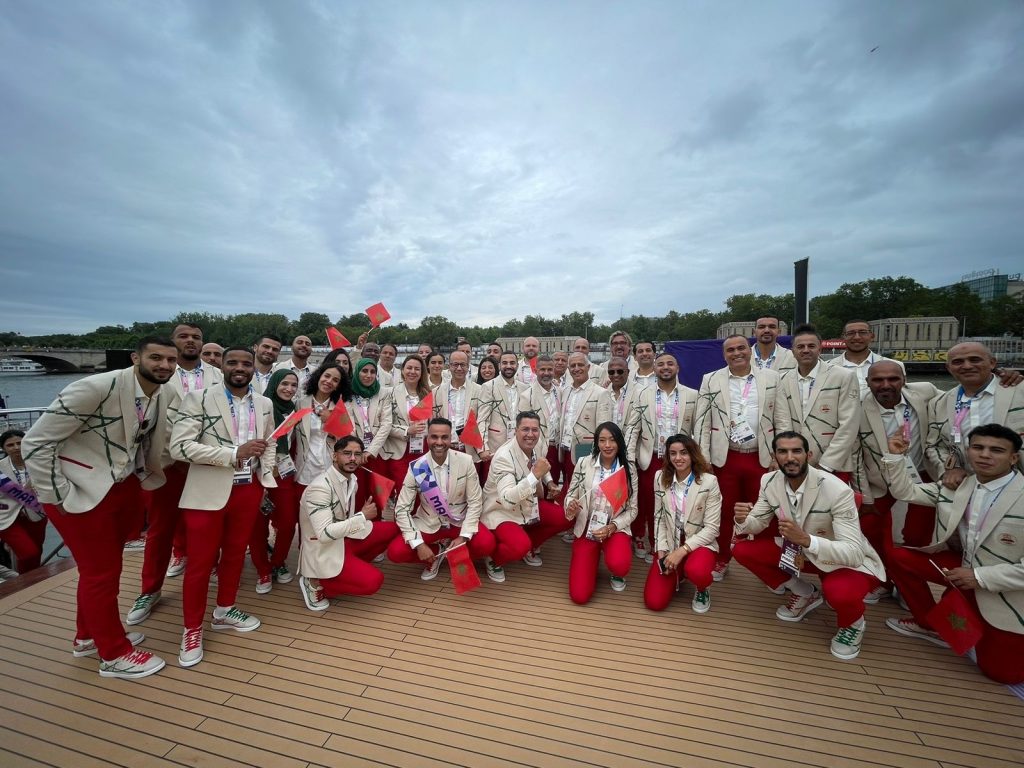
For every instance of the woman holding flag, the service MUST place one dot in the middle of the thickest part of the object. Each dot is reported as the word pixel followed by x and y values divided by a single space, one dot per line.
pixel 281 389
pixel 22 522
pixel 313 444
pixel 370 410
pixel 411 409
pixel 687 513
pixel 602 500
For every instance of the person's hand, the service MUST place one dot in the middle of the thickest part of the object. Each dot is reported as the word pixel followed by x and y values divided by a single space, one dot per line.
pixel 794 533
pixel 251 450
pixel 1008 377
pixel 675 557
pixel 605 532
pixel 898 444
pixel 868 509
pixel 962 577
pixel 361 341
pixel 485 455
pixel 554 490
pixel 541 468
pixel 952 478
pixel 417 428
pixel 741 510
pixel 369 510
pixel 572 508
pixel 425 553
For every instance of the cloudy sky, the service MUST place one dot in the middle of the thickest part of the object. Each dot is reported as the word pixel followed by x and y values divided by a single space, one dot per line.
pixel 488 160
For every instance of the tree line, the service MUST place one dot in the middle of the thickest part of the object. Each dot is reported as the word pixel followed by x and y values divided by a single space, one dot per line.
pixel 867 300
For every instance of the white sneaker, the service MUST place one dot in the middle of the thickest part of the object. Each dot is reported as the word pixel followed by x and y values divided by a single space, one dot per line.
pixel 719 571
pixel 533 558
pixel 6 574
pixel 282 575
pixel 264 584
pixel 143 606
pixel 431 571
pixel 176 566
pixel 797 607
pixel 135 545
pixel 847 641
pixel 780 590
pixel 701 601
pixel 494 572
pixel 313 597
pixel 191 652
pixel 381 557
pixel 82 648
pixel 135 664
pixel 906 625
pixel 876 594
pixel 240 621
pixel 569 537
pixel 618 583
pixel 640 548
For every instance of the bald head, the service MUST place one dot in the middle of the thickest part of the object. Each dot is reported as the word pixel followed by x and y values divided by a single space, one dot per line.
pixel 885 379
pixel 971 364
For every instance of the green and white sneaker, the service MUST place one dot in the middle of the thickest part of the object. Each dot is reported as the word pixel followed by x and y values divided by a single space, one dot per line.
pixel 618 583
pixel 847 641
pixel 191 652
pixel 240 621
pixel 494 572
pixel 135 664
pixel 144 605
pixel 282 575
pixel 701 601
pixel 82 648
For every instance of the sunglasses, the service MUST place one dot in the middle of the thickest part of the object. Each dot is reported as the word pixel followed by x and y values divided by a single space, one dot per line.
pixel 613 372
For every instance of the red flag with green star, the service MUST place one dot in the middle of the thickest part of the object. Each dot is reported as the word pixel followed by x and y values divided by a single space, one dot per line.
pixel 423 410
pixel 337 338
pixel 956 621
pixel 378 314
pixel 380 489
pixel 289 424
pixel 616 490
pixel 470 434
pixel 464 575
pixel 339 423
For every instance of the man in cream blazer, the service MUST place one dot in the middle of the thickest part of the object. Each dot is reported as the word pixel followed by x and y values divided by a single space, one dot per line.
pixel 820 534
pixel 739 410
pixel 544 397
pixel 89 455
pixel 455 398
pixel 823 402
pixel 223 434
pixel 165 518
pixel 339 543
pixel 645 440
pixel 584 406
pixel 517 499
pixel 499 402
pixel 978 548
pixel 978 399
pixel 457 520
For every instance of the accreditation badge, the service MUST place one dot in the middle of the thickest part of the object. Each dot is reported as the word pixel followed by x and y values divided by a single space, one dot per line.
pixel 534 517
pixel 740 431
pixel 243 473
pixel 285 466
pixel 661 446
pixel 792 560
pixel 598 519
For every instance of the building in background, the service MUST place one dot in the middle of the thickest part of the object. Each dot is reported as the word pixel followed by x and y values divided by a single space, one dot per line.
pixel 988 284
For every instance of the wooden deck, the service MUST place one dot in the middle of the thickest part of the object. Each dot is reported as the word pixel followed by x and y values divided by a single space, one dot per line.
pixel 509 675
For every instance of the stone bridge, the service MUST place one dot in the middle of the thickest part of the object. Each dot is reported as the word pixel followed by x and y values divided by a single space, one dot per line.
pixel 68 360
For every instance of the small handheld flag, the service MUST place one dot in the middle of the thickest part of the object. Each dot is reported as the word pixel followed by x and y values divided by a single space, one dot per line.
pixel 470 434
pixel 290 423
pixel 339 423
pixel 615 489
pixel 337 338
pixel 380 488
pixel 464 575
pixel 378 315
pixel 956 621
pixel 423 410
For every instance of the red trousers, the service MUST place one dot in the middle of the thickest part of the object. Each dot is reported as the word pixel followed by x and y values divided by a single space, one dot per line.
pixel 137 516
pixel 567 468
pixel 618 556
pixel 96 540
pixel 556 467
pixel 481 545
pixel 696 567
pixel 1000 653
pixel 844 589
pixel 208 531
pixel 25 538
pixel 514 540
pixel 164 519
pixel 285 517
pixel 739 480
pixel 644 523
pixel 358 576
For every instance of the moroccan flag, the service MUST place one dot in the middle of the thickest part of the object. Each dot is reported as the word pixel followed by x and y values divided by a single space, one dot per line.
pixel 464 575
pixel 337 338
pixel 380 489
pixel 533 363
pixel 423 410
pixel 956 621
pixel 290 423
pixel 339 423
pixel 378 315
pixel 615 489
pixel 470 434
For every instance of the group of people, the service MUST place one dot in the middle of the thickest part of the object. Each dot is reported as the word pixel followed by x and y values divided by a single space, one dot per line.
pixel 787 463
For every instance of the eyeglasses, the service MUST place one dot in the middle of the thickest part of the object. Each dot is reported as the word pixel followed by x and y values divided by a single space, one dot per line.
pixel 616 371
pixel 857 333
pixel 458 365
pixel 351 454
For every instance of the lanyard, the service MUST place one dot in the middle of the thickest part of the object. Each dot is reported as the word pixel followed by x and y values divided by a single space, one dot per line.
pixel 961 411
pixel 679 514
pixel 745 395
pixel 984 515
pixel 765 363
pixel 620 404
pixel 250 428
pixel 198 371
pixel 906 423
pixel 363 404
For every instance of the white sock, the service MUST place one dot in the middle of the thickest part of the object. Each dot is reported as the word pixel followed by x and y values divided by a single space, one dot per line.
pixel 799 587
pixel 220 612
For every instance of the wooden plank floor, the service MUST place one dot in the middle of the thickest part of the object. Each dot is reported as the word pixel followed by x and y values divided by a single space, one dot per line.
pixel 509 675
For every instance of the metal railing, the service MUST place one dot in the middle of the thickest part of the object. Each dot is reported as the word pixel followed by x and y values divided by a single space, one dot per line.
pixel 19 418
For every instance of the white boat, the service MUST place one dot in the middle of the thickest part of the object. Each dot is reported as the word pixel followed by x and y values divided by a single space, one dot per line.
pixel 16 366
